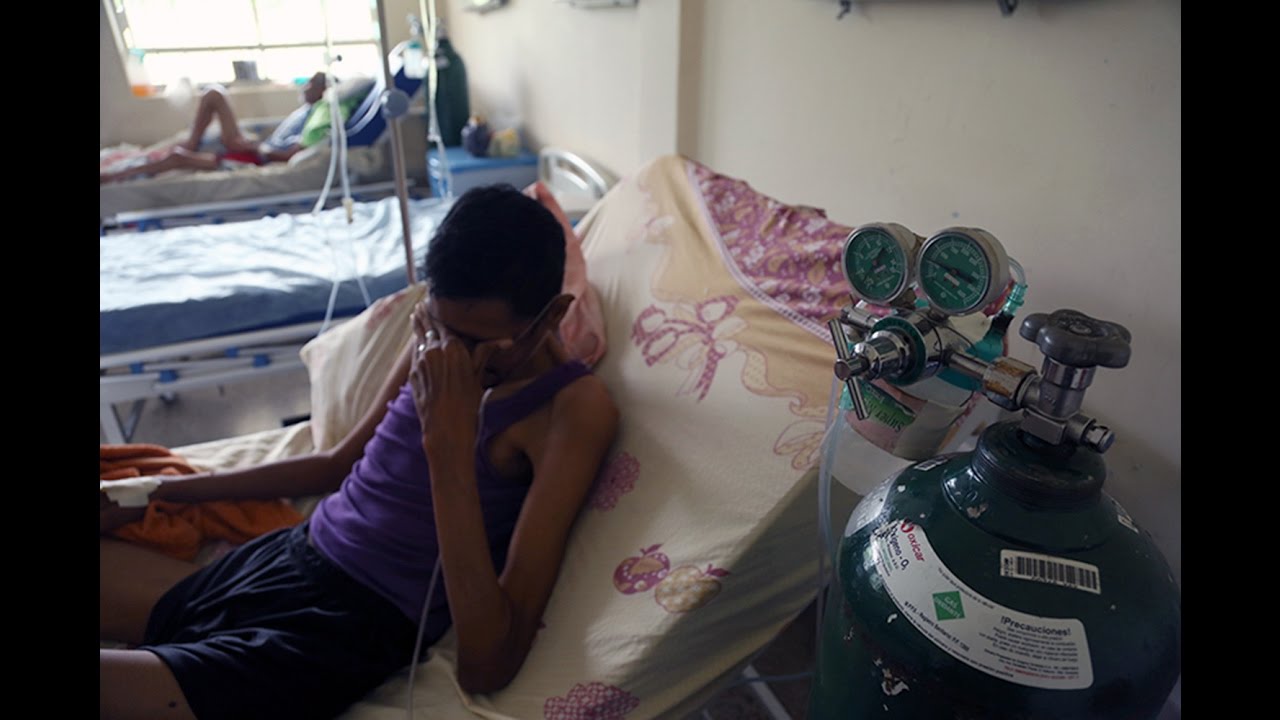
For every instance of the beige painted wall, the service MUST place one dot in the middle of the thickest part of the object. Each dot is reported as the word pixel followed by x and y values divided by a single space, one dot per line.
pixel 568 76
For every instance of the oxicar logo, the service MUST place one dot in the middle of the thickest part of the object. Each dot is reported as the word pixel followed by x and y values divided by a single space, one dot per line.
pixel 947 605
pixel 884 409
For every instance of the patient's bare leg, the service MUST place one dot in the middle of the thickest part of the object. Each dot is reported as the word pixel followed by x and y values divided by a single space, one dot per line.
pixel 177 159
pixel 130 581
pixel 213 104
pixel 137 684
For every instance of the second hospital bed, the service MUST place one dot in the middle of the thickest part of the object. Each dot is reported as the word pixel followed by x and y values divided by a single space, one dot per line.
pixel 150 200
pixel 202 305
pixel 195 306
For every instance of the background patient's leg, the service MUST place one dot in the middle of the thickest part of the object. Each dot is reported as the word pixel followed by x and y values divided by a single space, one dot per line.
pixel 177 159
pixel 213 104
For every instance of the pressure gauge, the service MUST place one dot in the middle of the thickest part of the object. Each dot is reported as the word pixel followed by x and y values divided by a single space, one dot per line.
pixel 962 270
pixel 878 261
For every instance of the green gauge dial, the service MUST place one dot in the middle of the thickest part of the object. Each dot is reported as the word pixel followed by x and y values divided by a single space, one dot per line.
pixel 957 270
pixel 877 261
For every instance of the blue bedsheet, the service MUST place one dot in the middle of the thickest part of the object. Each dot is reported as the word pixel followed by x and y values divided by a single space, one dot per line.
pixel 190 283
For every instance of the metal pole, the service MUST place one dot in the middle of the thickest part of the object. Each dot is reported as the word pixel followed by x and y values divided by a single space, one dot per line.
pixel 397 148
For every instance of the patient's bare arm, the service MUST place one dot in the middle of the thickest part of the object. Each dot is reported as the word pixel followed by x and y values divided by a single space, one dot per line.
pixel 314 474
pixel 294 477
pixel 496 610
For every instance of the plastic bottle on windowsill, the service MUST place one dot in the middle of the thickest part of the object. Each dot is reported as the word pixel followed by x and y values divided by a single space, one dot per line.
pixel 139 85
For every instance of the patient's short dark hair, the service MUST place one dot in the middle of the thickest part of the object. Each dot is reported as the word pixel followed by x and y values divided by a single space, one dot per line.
pixel 497 243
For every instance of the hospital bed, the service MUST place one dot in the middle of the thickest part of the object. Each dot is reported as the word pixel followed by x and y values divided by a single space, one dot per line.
pixel 214 304
pixel 210 304
pixel 162 201
pixel 714 297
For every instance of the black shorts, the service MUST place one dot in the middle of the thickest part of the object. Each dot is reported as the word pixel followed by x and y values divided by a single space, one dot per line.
pixel 275 630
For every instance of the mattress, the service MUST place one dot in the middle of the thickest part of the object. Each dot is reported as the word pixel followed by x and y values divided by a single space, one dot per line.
pixel 189 283
pixel 305 172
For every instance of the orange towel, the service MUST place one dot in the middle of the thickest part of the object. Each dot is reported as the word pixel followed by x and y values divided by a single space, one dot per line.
pixel 180 529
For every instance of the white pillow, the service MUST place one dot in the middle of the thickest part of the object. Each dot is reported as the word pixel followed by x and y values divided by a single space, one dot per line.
pixel 349 364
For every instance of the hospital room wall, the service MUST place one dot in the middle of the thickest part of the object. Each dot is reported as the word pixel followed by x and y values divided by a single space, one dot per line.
pixel 124 118
pixel 564 75
pixel 1057 128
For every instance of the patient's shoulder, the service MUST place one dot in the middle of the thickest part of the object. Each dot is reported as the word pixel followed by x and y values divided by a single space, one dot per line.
pixel 581 421
pixel 586 406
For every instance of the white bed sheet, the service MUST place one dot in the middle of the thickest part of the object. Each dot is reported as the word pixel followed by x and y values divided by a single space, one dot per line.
pixel 305 172
pixel 186 283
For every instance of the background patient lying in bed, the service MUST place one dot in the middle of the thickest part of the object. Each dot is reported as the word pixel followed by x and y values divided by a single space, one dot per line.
pixel 303 128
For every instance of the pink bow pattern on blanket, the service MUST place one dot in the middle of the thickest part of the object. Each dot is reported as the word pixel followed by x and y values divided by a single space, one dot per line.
pixel 697 337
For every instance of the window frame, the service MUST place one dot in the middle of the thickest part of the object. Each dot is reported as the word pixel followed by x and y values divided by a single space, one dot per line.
pixel 118 16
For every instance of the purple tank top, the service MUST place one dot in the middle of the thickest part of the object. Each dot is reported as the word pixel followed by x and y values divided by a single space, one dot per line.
pixel 380 526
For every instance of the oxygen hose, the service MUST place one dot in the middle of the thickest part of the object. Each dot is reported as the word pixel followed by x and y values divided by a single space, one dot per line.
pixel 422 625
pixel 825 549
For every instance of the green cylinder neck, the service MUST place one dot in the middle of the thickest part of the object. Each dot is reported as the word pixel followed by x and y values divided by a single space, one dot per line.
pixel 1061 477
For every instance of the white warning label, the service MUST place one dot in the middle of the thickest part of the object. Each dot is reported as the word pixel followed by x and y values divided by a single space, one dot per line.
pixel 1042 652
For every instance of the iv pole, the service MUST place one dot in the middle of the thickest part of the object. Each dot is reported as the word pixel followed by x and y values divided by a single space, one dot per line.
pixel 395 103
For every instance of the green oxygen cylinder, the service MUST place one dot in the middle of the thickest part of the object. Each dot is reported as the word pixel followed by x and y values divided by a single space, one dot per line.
pixel 453 106
pixel 1004 583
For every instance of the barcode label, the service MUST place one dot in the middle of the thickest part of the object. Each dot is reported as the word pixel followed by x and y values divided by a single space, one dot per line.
pixel 1051 570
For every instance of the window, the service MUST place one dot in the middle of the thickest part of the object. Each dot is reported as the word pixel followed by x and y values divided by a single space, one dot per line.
pixel 206 41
